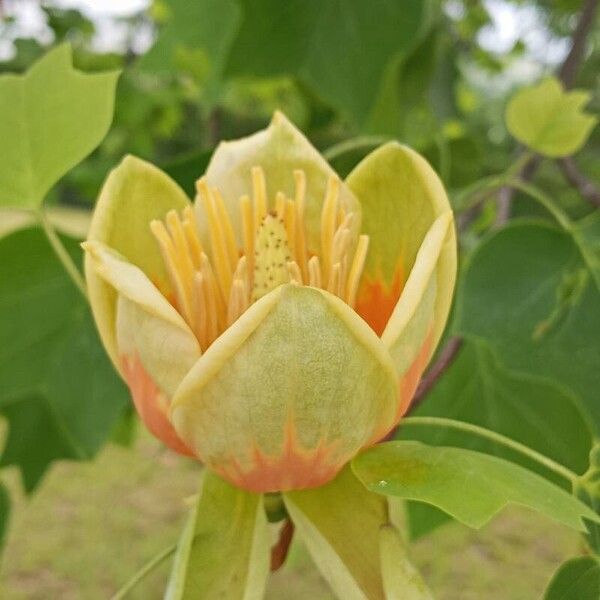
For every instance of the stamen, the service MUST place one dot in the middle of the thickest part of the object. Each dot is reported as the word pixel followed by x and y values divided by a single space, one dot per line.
pixel 170 259
pixel 341 243
pixel 300 237
pixel 213 287
pixel 280 205
pixel 182 252
pixel 191 233
pixel 238 301
pixel 328 220
pixel 334 285
pixel 259 190
pixel 248 229
pixel 211 313
pixel 227 227
pixel 294 272
pixel 217 240
pixel 358 264
pixel 201 323
pixel 314 272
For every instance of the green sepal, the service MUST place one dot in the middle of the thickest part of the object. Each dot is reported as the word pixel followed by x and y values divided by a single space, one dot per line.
pixel 224 550
pixel 401 580
pixel 339 523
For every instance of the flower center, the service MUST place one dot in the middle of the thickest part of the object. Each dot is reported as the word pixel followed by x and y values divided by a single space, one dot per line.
pixel 211 293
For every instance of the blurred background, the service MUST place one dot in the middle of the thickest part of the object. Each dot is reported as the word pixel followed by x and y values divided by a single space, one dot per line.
pixel 434 74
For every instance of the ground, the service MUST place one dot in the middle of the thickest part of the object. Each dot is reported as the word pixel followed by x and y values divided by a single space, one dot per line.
pixel 90 526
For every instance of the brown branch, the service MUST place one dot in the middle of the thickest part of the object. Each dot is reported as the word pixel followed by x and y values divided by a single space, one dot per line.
pixel 568 70
pixel 446 357
pixel 579 181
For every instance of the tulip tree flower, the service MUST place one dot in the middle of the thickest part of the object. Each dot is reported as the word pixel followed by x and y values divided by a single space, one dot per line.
pixel 280 323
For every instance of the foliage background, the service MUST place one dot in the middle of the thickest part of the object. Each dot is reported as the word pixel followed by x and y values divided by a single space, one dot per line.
pixel 522 353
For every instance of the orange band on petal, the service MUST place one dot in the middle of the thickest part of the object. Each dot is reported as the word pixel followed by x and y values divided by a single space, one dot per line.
pixel 410 380
pixel 376 300
pixel 408 385
pixel 295 468
pixel 151 404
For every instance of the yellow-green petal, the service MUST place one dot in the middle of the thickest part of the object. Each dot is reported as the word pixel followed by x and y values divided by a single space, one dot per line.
pixel 416 324
pixel 279 150
pixel 134 193
pixel 155 347
pixel 289 393
pixel 401 197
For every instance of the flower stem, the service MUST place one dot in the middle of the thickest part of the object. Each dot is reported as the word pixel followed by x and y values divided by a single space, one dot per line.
pixel 61 252
pixel 144 571
pixel 497 438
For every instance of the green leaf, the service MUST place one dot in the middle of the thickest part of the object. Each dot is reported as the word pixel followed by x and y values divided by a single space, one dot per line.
pixel 531 410
pixel 528 292
pixel 59 391
pixel 225 549
pixel 470 486
pixel 587 489
pixel 577 579
pixel 50 119
pixel 35 438
pixel 194 33
pixel 339 524
pixel 401 581
pixel 550 120
pixel 340 48
pixel 4 513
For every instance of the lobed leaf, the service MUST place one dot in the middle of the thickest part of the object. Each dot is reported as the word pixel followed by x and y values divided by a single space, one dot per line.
pixel 549 120
pixel 51 107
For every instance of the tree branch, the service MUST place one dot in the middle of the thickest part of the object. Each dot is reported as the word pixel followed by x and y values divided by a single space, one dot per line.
pixel 445 359
pixel 579 181
pixel 568 71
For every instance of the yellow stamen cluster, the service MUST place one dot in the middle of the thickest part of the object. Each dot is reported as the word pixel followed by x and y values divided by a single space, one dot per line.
pixel 211 293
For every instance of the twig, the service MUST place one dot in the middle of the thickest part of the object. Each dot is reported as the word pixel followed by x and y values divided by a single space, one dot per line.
pixel 578 180
pixel 570 67
pixel 144 571
pixel 445 359
pixel 61 252
pixel 280 550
